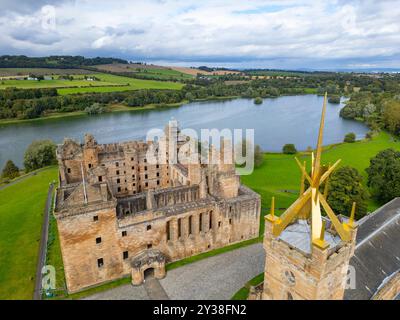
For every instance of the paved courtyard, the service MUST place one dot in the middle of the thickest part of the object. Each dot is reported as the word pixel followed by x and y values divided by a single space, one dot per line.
pixel 218 277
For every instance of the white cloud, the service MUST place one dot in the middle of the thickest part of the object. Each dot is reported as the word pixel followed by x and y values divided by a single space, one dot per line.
pixel 273 33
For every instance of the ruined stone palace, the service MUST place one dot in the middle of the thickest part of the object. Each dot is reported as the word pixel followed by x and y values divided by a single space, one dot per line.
pixel 119 214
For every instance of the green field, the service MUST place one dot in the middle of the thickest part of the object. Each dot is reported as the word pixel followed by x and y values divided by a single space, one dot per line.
pixel 122 84
pixel 21 213
pixel 107 83
pixel 279 175
pixel 56 83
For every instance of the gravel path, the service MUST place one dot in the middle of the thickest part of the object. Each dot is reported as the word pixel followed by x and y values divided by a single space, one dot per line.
pixel 125 292
pixel 218 277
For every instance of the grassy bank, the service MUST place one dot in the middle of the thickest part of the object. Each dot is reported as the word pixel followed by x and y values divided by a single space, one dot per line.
pixel 243 293
pixel 279 175
pixel 110 108
pixel 21 216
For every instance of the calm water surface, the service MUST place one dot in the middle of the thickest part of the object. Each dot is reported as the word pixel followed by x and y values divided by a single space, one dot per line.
pixel 291 119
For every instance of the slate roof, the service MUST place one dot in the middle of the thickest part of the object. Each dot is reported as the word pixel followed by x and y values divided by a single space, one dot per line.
pixel 377 252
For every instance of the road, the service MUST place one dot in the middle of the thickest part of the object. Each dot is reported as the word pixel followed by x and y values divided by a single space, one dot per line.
pixel 43 244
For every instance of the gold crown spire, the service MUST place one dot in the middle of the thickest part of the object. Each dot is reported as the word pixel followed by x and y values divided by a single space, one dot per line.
pixel 308 205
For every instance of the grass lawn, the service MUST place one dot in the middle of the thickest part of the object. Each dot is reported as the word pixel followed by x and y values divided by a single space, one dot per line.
pixel 21 214
pixel 243 293
pixel 279 175
pixel 54 257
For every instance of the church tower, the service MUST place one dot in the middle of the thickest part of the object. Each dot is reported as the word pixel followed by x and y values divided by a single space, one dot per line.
pixel 308 254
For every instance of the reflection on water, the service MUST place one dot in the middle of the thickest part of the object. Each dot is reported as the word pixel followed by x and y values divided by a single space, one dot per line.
pixel 291 119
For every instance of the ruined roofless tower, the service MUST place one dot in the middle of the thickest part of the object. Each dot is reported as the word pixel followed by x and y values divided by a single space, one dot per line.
pixel 307 254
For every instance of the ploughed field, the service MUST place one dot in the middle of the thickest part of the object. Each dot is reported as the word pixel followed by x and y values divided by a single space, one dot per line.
pixel 147 71
pixel 103 83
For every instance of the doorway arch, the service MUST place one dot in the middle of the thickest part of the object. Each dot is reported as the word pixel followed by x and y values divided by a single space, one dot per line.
pixel 147 263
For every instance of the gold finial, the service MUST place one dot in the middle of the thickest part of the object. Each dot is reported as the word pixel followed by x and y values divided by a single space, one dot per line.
pixel 271 216
pixel 311 201
pixel 352 214
pixel 272 212
pixel 317 162
pixel 326 188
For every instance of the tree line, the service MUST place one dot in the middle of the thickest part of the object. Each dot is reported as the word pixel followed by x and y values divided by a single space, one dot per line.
pixel 62 62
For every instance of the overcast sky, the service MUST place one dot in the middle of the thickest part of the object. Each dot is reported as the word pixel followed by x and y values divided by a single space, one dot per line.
pixel 272 34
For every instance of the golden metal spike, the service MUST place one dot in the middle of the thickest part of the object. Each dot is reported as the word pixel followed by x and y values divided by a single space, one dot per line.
pixel 322 235
pixel 351 222
pixel 312 163
pixel 303 170
pixel 302 186
pixel 341 230
pixel 330 170
pixel 353 213
pixel 320 242
pixel 287 217
pixel 326 188
pixel 317 164
pixel 272 212
pixel 271 216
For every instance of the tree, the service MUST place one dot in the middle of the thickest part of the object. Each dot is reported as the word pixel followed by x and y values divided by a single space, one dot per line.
pixel 258 100
pixel 289 149
pixel 391 116
pixel 10 170
pixel 344 188
pixel 189 96
pixel 241 152
pixel 95 108
pixel 334 99
pixel 350 137
pixel 258 156
pixel 39 154
pixel 384 175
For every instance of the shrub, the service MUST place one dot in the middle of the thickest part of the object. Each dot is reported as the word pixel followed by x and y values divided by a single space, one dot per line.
pixel 95 108
pixel 258 156
pixel 289 149
pixel 10 170
pixel 334 99
pixel 350 137
pixel 258 100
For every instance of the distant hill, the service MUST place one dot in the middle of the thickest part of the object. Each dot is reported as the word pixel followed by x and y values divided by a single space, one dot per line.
pixel 61 62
